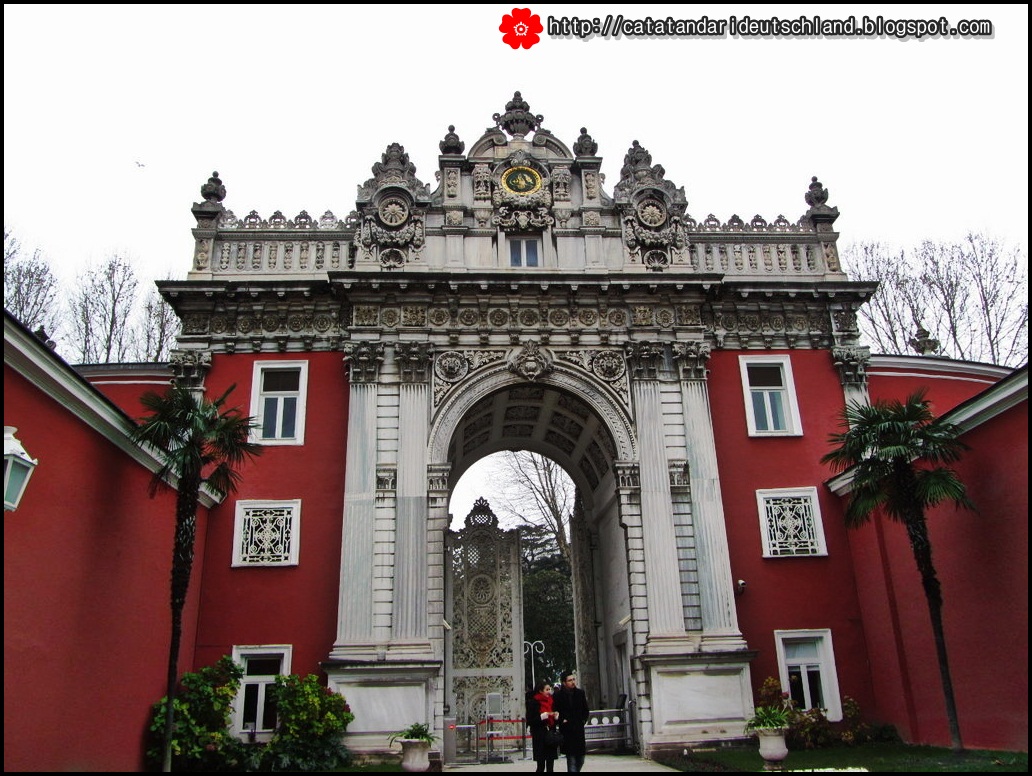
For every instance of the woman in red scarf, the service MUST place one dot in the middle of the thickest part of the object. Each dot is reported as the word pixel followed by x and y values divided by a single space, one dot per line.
pixel 541 719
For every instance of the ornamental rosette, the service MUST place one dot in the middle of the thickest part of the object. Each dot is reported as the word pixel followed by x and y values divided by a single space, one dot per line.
pixel 521 28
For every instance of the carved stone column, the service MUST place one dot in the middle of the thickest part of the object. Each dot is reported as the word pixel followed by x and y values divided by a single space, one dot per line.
pixel 355 614
pixel 666 618
pixel 410 569
pixel 851 363
pixel 189 368
pixel 720 629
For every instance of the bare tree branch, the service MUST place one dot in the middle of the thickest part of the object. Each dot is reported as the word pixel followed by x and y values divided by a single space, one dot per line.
pixel 157 329
pixel 537 491
pixel 970 296
pixel 30 287
pixel 102 307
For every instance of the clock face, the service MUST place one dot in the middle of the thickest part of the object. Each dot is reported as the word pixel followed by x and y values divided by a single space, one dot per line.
pixel 521 180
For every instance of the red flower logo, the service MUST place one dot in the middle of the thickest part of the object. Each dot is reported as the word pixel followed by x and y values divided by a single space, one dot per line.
pixel 521 28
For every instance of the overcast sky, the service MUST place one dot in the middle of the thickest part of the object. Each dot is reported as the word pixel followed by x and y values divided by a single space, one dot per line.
pixel 115 115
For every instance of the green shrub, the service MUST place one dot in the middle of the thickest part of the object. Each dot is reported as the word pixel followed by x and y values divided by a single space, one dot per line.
pixel 311 723
pixel 201 740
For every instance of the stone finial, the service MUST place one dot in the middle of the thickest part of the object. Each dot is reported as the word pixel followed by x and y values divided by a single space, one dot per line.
pixel 637 162
pixel 394 169
pixel 451 143
pixel 517 119
pixel 817 195
pixel 585 145
pixel 923 343
pixel 213 191
pixel 639 173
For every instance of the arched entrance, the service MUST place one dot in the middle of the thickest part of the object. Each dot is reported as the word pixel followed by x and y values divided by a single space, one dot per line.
pixel 657 622
pixel 561 417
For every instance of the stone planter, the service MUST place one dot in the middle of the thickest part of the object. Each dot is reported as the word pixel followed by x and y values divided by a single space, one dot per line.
pixel 772 747
pixel 415 754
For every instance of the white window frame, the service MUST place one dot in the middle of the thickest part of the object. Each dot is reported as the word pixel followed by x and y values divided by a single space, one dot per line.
pixel 258 401
pixel 523 239
pixel 240 654
pixel 825 661
pixel 239 530
pixel 793 423
pixel 770 548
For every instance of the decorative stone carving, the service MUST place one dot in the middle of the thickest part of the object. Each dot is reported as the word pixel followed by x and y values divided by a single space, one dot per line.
pixel 451 182
pixel 923 343
pixel 852 363
pixel 517 120
pixel 413 360
pixel 585 145
pixel 201 255
pixel 691 358
pixel 386 479
pixel 644 359
pixel 680 477
pixel 531 361
pixel 396 170
pixel 816 195
pixel 364 360
pixel 189 367
pixel 451 145
pixel 393 211
pixel 451 366
pixel 609 365
pixel 481 181
pixel 213 191
pixel 628 474
pixel 561 183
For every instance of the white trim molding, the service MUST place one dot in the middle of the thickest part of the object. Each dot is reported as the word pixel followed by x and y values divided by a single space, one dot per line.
pixel 777 399
pixel 804 655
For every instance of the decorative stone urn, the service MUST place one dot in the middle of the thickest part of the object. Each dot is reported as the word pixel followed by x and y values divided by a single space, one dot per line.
pixel 772 747
pixel 415 754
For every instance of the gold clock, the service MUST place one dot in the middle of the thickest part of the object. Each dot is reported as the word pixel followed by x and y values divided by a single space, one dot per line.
pixel 521 180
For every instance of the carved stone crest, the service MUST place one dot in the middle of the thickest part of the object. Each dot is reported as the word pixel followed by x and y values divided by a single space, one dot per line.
pixel 531 361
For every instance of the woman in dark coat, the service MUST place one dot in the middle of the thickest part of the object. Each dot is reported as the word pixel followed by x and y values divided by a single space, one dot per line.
pixel 540 719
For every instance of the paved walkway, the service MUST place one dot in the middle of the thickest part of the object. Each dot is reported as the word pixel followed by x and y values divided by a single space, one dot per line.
pixel 595 763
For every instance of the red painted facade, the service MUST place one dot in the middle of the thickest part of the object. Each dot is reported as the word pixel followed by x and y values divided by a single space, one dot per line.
pixel 982 561
pixel 87 557
pixel 294 604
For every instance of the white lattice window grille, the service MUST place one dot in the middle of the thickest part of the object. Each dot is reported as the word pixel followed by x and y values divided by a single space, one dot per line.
pixel 279 391
pixel 790 523
pixel 770 398
pixel 524 251
pixel 254 710
pixel 806 662
pixel 267 533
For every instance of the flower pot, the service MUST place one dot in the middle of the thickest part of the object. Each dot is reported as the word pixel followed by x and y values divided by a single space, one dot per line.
pixel 772 747
pixel 415 754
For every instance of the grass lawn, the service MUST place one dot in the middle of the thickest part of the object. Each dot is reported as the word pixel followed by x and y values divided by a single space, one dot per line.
pixel 873 757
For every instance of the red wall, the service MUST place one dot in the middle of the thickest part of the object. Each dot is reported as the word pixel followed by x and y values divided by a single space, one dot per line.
pixel 788 593
pixel 86 584
pixel 294 604
pixel 982 562
pixel 943 390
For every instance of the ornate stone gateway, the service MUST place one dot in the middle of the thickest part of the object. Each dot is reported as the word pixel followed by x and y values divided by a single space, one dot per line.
pixel 519 305
pixel 484 647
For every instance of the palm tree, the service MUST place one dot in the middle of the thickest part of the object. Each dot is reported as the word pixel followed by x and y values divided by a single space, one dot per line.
pixel 200 443
pixel 897 453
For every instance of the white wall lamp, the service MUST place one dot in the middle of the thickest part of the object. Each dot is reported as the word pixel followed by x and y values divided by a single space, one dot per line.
pixel 18 468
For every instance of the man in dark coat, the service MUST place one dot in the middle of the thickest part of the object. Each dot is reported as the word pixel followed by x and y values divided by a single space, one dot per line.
pixel 572 705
